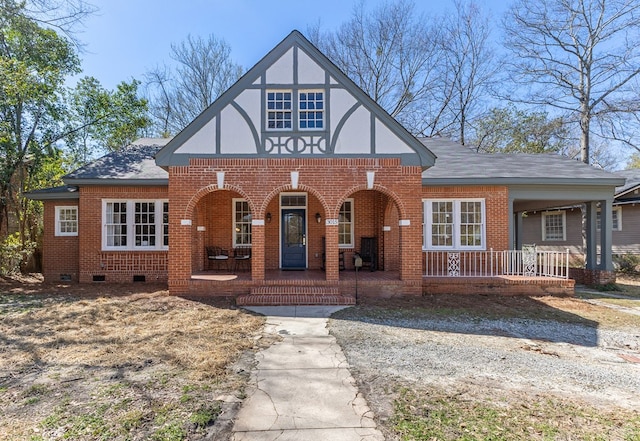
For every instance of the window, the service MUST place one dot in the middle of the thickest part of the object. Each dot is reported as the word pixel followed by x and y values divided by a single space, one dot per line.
pixel 133 225
pixel 311 107
pixel 279 110
pixel 345 225
pixel 241 223
pixel 66 221
pixel 554 226
pixel 454 224
pixel 616 216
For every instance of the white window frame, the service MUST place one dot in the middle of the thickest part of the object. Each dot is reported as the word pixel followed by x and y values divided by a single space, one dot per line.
pixel 159 217
pixel 427 240
pixel 351 223
pixel 59 220
pixel 301 110
pixel 235 224
pixel 615 226
pixel 290 110
pixel 544 216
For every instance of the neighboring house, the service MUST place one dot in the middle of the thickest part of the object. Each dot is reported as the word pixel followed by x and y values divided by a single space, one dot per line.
pixel 298 164
pixel 561 228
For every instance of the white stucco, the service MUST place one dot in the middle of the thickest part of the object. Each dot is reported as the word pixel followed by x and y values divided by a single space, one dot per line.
pixel 249 100
pixel 355 136
pixel 203 141
pixel 281 72
pixel 388 142
pixel 235 137
pixel 309 72
pixel 341 102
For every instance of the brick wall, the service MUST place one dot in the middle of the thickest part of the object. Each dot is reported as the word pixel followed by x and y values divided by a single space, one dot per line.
pixel 115 266
pixel 60 253
pixel 496 208
pixel 328 182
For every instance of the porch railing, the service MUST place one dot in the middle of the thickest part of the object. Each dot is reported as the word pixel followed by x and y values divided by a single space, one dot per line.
pixel 530 263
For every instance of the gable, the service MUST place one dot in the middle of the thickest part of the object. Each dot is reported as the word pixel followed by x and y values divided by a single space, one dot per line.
pixel 294 103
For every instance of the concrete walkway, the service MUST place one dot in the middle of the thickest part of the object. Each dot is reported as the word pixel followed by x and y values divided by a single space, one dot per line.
pixel 301 388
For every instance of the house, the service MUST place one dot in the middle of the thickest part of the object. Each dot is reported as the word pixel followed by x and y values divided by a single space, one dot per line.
pixel 298 164
pixel 560 228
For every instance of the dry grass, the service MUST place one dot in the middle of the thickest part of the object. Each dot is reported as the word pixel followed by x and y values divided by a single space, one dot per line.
pixel 137 365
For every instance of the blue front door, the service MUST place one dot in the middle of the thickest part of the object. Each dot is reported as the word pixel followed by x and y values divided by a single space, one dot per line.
pixel 294 238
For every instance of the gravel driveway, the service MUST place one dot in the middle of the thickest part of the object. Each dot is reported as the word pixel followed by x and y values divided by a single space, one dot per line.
pixel 513 355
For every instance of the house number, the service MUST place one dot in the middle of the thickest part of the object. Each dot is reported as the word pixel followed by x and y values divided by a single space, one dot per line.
pixel 331 222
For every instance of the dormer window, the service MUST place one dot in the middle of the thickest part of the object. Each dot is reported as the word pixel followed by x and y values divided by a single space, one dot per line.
pixel 311 108
pixel 309 114
pixel 279 110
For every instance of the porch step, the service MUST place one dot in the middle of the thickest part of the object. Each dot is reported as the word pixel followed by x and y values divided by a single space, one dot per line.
pixel 294 295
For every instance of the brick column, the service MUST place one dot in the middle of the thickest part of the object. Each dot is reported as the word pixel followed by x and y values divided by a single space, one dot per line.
pixel 257 252
pixel 332 270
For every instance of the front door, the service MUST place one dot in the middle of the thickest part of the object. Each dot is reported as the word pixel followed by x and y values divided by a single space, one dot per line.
pixel 294 238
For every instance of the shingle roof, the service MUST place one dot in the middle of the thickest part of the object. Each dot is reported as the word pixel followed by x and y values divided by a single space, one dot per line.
pixel 457 164
pixel 135 162
pixel 632 177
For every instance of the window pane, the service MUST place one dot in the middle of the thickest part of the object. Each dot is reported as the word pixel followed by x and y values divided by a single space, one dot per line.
pixel 311 105
pixel 279 110
pixel 345 224
pixel 554 226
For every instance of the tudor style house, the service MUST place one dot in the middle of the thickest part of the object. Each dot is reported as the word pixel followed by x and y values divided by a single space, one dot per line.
pixel 293 178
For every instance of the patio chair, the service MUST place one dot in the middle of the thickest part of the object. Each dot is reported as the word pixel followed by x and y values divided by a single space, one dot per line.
pixel 242 257
pixel 369 252
pixel 217 256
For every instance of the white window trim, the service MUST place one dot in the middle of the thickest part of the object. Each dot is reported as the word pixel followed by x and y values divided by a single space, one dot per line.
pixel 351 243
pixel 427 240
pixel 324 105
pixel 291 110
pixel 59 208
pixel 131 225
pixel 617 209
pixel 233 225
pixel 544 225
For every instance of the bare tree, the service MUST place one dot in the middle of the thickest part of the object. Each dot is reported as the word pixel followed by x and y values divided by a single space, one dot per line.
pixel 391 53
pixel 203 71
pixel 470 67
pixel 581 57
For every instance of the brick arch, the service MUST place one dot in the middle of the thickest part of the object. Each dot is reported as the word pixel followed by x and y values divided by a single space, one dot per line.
pixel 301 187
pixel 392 195
pixel 202 192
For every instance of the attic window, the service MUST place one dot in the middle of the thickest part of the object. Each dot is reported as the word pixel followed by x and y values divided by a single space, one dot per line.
pixel 279 110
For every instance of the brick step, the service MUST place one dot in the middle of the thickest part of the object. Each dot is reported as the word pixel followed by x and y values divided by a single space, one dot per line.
pixel 293 295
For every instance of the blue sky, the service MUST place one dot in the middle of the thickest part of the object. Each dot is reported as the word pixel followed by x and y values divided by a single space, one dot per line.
pixel 127 38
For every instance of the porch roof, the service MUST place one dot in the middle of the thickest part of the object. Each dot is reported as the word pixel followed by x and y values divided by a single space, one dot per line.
pixel 460 165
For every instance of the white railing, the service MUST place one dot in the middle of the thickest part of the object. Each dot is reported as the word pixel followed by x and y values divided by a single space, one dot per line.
pixel 530 263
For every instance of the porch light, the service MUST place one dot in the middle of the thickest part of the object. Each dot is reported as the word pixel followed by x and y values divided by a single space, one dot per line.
pixel 318 218
pixel 268 218
pixel 294 180
pixel 370 177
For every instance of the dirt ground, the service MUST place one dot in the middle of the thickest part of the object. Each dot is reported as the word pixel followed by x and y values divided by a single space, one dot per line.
pixel 130 362
pixel 119 362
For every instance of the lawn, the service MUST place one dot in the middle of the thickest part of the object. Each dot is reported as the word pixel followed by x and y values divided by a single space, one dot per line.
pixel 116 362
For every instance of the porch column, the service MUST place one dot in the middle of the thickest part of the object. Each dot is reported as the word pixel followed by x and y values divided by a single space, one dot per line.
pixel 512 234
pixel 606 223
pixel 257 250
pixel 590 230
pixel 519 229
pixel 331 265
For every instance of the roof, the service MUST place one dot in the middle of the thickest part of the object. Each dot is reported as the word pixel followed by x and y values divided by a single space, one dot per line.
pixel 54 193
pixel 632 183
pixel 134 164
pixel 170 156
pixel 457 164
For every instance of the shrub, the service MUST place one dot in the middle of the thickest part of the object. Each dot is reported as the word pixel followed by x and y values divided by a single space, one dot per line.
pixel 627 263
pixel 13 252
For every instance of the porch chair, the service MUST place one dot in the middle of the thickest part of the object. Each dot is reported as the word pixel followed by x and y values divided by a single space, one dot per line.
pixel 217 256
pixel 242 257
pixel 369 252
